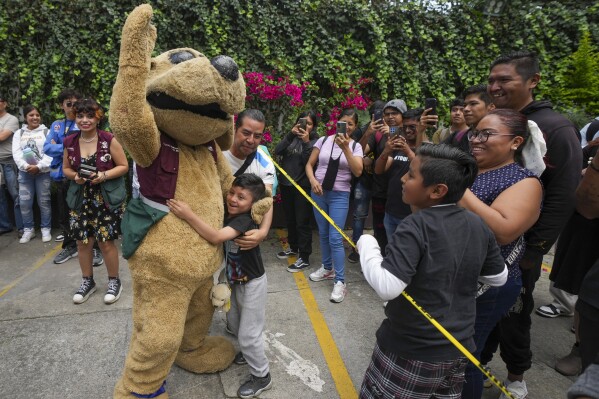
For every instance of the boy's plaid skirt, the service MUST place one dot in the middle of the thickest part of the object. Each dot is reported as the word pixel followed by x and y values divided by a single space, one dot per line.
pixel 391 376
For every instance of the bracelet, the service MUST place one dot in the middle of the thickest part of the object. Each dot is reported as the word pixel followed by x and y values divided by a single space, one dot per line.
pixel 596 169
pixel 105 176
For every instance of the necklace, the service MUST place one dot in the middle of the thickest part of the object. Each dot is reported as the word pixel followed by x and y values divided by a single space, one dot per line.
pixel 89 140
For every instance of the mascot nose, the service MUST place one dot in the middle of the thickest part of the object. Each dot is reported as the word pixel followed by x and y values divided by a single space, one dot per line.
pixel 226 67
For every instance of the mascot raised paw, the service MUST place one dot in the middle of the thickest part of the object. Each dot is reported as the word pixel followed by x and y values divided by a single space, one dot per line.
pixel 173 114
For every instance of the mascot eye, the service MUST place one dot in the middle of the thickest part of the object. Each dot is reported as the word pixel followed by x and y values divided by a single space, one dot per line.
pixel 226 67
pixel 180 56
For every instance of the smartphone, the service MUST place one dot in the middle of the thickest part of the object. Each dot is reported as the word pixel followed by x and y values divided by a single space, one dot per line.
pixel 392 131
pixel 303 123
pixel 341 128
pixel 378 115
pixel 431 103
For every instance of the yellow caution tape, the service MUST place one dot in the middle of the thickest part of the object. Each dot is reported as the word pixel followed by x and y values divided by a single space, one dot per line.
pixel 434 322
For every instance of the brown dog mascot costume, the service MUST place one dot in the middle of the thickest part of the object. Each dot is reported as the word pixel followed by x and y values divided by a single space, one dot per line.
pixel 173 114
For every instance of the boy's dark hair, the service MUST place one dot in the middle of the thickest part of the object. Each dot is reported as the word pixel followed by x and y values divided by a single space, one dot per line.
pixel 456 102
pixel 252 183
pixel 351 112
pixel 253 114
pixel 413 113
pixel 480 91
pixel 526 63
pixel 68 93
pixel 444 164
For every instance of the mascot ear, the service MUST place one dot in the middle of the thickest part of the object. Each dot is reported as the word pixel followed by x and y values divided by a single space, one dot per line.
pixel 261 207
pixel 225 140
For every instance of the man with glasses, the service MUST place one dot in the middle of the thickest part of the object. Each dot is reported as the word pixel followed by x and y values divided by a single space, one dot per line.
pixel 53 147
pixel 8 170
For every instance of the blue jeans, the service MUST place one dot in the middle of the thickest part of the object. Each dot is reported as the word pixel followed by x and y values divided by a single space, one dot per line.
pixel 335 204
pixel 391 223
pixel 29 187
pixel 361 205
pixel 490 308
pixel 10 175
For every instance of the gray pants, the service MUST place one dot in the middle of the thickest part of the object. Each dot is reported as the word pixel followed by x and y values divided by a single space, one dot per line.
pixel 563 300
pixel 246 319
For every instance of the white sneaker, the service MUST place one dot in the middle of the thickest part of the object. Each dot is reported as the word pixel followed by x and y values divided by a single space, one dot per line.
pixel 46 234
pixel 339 292
pixel 322 274
pixel 28 234
pixel 516 388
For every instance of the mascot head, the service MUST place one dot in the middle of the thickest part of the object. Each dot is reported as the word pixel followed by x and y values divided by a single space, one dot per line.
pixel 193 98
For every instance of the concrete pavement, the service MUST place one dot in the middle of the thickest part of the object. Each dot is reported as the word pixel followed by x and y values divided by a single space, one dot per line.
pixel 51 348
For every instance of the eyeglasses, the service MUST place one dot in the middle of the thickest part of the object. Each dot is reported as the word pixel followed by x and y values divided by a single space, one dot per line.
pixel 406 128
pixel 391 114
pixel 483 135
pixel 69 104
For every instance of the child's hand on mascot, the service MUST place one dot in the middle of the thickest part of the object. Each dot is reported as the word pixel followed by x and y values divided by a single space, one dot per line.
pixel 261 207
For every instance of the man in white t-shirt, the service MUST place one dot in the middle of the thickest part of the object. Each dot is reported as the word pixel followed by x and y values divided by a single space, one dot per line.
pixel 244 157
pixel 8 169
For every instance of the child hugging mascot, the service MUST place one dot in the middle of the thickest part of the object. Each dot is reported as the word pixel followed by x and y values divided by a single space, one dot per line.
pixel 173 113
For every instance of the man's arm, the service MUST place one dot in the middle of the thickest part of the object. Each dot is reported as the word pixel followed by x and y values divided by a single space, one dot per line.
pixel 560 180
pixel 11 126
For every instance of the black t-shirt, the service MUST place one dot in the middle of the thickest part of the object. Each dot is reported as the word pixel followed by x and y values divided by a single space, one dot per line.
pixel 439 252
pixel 462 142
pixel 399 167
pixel 242 266
pixel 380 182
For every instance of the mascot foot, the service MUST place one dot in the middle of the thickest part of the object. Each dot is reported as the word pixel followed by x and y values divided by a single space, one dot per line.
pixel 120 392
pixel 216 354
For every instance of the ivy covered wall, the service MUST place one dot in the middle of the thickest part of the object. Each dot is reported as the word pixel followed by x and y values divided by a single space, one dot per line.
pixel 409 48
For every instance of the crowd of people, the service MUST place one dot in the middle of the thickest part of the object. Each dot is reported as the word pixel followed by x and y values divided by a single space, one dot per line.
pixel 461 223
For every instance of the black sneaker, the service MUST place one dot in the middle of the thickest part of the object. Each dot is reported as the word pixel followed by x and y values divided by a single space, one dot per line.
pixel 353 257
pixel 239 359
pixel 286 254
pixel 59 238
pixel 65 255
pixel 298 266
pixel 87 287
pixel 254 386
pixel 113 292
pixel 97 258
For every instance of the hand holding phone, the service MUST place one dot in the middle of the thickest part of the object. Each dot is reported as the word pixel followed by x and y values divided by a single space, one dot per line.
pixel 303 123
pixel 378 116
pixel 431 103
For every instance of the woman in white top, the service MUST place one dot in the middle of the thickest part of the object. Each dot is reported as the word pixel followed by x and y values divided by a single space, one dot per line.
pixel 34 176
